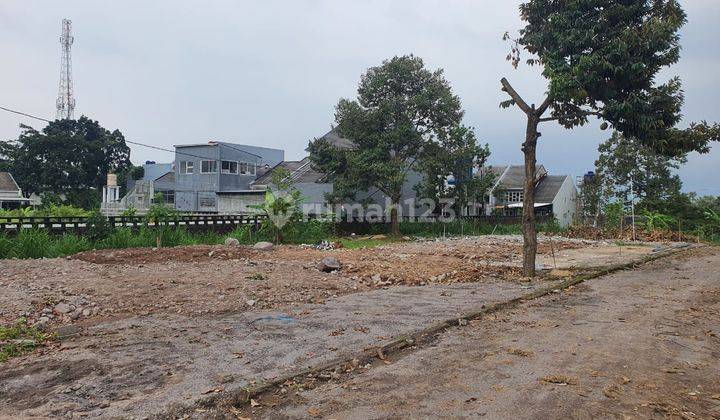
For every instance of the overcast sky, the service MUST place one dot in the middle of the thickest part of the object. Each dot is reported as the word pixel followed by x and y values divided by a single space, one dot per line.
pixel 269 73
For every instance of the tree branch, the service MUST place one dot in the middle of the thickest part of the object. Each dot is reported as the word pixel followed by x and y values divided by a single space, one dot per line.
pixel 544 106
pixel 586 113
pixel 515 96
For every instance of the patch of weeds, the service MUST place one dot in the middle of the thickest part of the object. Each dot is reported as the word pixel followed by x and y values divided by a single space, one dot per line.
pixel 19 339
pixel 257 276
pixel 519 352
pixel 559 379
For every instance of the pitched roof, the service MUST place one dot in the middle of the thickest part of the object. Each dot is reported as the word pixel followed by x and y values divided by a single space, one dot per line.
pixel 513 176
pixel 548 188
pixel 335 140
pixel 167 177
pixel 300 171
pixel 7 182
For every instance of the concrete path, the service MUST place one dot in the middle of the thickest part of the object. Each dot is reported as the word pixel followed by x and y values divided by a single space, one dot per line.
pixel 642 343
pixel 139 366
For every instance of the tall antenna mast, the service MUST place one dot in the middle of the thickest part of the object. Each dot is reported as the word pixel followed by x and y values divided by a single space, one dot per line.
pixel 65 103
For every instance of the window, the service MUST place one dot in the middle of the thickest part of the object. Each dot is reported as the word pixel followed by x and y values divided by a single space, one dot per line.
pixel 514 196
pixel 208 167
pixel 207 202
pixel 247 168
pixel 228 167
pixel 186 167
pixel 168 196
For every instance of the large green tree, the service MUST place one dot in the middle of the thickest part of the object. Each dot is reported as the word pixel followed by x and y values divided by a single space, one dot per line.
pixel 455 157
pixel 629 169
pixel 601 59
pixel 401 109
pixel 70 157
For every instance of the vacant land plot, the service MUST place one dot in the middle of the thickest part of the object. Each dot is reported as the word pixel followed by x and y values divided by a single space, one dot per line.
pixel 635 344
pixel 143 330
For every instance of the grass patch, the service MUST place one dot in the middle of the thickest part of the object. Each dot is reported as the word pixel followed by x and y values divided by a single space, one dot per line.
pixel 38 243
pixel 19 339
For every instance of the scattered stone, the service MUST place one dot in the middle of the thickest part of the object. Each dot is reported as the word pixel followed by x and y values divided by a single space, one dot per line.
pixel 62 308
pixel 86 312
pixel 231 242
pixel 376 278
pixel 76 314
pixel 42 323
pixel 329 264
pixel 251 302
pixel 264 246
pixel 67 331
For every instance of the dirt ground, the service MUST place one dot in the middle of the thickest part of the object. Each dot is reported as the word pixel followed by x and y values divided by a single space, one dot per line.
pixel 214 279
pixel 142 331
pixel 636 344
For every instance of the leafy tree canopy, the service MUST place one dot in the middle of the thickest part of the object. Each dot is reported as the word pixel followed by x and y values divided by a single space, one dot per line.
pixel 601 58
pixel 67 157
pixel 401 110
pixel 629 168
pixel 455 157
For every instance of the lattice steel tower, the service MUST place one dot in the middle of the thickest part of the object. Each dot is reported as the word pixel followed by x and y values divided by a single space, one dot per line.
pixel 65 103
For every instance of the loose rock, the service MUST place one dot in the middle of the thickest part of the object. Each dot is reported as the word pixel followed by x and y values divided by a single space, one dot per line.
pixel 264 246
pixel 231 242
pixel 329 264
pixel 62 308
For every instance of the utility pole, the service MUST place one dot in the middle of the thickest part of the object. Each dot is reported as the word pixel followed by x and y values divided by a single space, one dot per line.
pixel 65 103
pixel 632 207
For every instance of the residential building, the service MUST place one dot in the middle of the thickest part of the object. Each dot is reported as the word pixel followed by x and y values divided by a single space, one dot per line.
pixel 314 186
pixel 205 172
pixel 11 196
pixel 554 194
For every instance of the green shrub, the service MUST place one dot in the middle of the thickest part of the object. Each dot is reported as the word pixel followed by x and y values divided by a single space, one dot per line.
pixel 97 227
pixel 6 246
pixel 119 239
pixel 32 243
pixel 63 210
pixel 243 234
pixel 68 244
pixel 206 238
pixel 131 211
pixel 310 232
pixel 614 213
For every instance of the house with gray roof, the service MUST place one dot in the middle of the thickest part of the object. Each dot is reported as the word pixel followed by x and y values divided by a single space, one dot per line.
pixel 554 194
pixel 10 193
pixel 314 186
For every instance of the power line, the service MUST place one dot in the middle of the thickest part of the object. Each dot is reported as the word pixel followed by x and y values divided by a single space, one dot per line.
pixel 138 143
pixel 24 114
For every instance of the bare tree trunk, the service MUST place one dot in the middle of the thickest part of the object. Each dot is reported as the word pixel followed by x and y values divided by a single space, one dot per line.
pixel 534 118
pixel 529 232
pixel 394 222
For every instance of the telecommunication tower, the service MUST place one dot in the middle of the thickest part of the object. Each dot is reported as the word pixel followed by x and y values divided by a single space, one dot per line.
pixel 65 103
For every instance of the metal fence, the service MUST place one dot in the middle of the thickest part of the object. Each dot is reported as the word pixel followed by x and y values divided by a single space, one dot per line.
pixel 198 222
pixel 226 223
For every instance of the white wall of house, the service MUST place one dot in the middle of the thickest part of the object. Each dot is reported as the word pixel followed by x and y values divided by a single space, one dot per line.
pixel 239 203
pixel 564 204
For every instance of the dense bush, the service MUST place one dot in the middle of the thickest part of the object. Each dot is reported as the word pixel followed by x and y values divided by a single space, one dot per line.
pixel 52 210
pixel 37 243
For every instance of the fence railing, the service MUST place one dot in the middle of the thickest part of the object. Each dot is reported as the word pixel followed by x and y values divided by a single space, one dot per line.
pixel 215 222
pixel 223 223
